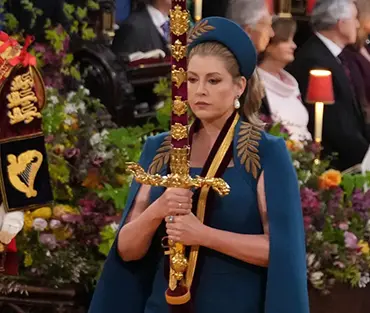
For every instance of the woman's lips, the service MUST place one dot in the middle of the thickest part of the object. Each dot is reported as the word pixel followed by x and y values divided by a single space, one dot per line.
pixel 201 104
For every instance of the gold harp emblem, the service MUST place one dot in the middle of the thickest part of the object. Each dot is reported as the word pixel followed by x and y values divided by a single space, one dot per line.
pixel 22 171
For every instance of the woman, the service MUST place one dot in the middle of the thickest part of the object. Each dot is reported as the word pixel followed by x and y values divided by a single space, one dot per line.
pixel 281 88
pixel 356 59
pixel 252 248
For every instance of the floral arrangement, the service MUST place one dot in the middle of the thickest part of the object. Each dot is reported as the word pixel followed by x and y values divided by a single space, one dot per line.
pixel 87 153
pixel 336 209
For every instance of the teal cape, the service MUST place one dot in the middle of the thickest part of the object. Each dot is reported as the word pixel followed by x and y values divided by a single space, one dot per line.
pixel 126 286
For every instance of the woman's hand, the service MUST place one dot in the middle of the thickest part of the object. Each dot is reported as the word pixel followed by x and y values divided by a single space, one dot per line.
pixel 185 229
pixel 174 201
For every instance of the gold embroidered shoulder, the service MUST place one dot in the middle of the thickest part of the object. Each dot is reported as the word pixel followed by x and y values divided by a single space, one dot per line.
pixel 162 156
pixel 247 147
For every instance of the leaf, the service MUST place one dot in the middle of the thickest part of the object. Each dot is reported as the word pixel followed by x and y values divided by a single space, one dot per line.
pixel 348 184
pixel 199 29
pixel 247 148
pixel 162 157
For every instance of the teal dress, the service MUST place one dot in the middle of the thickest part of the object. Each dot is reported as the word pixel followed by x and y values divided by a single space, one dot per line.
pixel 223 284
pixel 218 273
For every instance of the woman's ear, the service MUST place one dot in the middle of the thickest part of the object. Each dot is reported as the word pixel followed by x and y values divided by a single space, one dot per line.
pixel 241 85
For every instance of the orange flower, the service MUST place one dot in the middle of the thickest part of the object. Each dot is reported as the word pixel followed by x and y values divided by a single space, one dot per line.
pixel 329 179
pixel 293 146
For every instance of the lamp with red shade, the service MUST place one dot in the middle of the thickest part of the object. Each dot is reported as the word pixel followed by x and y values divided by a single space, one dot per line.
pixel 320 92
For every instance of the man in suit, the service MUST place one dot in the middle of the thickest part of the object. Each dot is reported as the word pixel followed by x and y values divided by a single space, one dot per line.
pixel 145 29
pixel 335 26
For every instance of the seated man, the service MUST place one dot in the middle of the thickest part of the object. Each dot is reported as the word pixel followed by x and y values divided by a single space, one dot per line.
pixel 145 30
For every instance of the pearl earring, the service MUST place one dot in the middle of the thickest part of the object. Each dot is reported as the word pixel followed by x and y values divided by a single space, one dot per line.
pixel 237 103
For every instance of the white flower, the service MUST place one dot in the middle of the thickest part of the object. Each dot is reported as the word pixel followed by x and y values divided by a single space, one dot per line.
pixel 318 235
pixel 310 258
pixel 54 224
pixel 82 107
pixel 68 121
pixel 95 139
pixel 105 155
pixel 70 96
pixel 70 108
pixel 39 224
pixel 316 276
pixel 114 226
pixel 85 90
pixel 368 225
pixel 104 134
pixel 364 280
pixel 53 99
pixel 296 164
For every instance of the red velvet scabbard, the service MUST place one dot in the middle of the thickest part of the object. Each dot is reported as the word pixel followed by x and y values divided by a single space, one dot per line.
pixel 179 299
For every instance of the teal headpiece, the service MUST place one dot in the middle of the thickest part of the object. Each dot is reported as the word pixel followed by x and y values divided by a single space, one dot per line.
pixel 231 35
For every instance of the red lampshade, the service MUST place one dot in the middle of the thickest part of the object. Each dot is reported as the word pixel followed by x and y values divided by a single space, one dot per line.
pixel 309 6
pixel 320 87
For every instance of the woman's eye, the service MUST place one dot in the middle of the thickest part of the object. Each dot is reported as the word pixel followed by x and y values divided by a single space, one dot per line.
pixel 191 80
pixel 214 81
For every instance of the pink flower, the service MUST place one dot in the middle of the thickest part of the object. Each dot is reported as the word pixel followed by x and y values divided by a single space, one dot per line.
pixel 343 226
pixel 350 240
pixel 310 201
pixel 307 220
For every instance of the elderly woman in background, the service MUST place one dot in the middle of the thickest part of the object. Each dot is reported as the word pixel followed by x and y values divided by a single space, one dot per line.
pixel 254 17
pixel 282 91
pixel 357 59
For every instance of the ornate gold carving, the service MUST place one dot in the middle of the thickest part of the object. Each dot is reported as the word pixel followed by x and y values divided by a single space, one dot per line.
pixel 178 76
pixel 178 263
pixel 247 147
pixel 198 30
pixel 179 163
pixel 162 157
pixel 22 100
pixel 178 50
pixel 177 181
pixel 179 131
pixel 22 171
pixel 179 107
pixel 179 20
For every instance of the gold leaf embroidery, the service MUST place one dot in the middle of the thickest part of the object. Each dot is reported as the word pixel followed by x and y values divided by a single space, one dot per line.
pixel 198 30
pixel 162 156
pixel 247 147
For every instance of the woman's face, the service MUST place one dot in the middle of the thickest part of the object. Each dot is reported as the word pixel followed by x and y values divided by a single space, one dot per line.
pixel 211 88
pixel 282 52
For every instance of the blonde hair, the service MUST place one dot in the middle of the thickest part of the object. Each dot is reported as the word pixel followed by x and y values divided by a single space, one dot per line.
pixel 252 97
pixel 363 7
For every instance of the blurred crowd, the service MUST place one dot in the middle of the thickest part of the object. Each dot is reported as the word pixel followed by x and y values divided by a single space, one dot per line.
pixel 338 42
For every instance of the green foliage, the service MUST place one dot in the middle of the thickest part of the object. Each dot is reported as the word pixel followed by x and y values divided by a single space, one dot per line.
pixel 163 90
pixel 117 194
pixel 108 234
pixel 350 182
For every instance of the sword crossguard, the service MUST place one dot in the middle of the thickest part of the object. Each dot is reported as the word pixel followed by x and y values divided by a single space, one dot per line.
pixel 177 180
